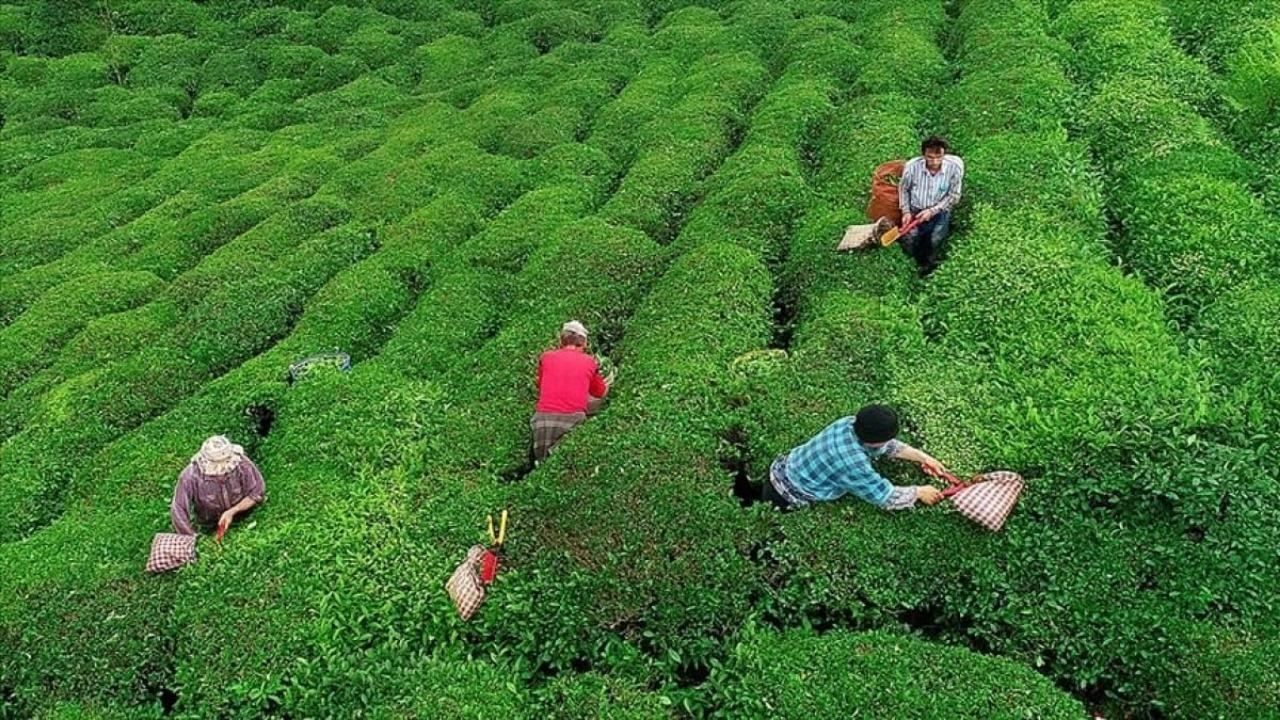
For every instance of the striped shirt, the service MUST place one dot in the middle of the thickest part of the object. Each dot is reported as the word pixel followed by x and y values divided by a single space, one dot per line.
pixel 922 190
pixel 832 464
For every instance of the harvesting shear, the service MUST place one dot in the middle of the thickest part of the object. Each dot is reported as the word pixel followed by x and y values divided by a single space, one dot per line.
pixel 489 566
pixel 955 484
pixel 501 536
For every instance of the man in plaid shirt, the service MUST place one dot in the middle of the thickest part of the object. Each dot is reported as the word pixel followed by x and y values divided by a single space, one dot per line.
pixel 837 462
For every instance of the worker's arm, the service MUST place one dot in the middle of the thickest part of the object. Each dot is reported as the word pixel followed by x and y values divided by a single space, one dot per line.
pixel 871 485
pixel 255 492
pixel 180 506
pixel 904 497
pixel 952 197
pixel 904 192
pixel 598 388
pixel 255 488
pixel 905 452
pixel 244 505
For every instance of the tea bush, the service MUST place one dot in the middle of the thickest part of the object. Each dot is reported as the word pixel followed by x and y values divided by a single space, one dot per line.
pixel 616 128
pixel 822 43
pixel 617 558
pixel 229 164
pixel 1131 39
pixel 197 195
pixel 62 311
pixel 593 695
pixel 1250 69
pixel 95 574
pixel 1239 330
pixel 299 686
pixel 204 409
pixel 1163 401
pixel 318 314
pixel 889 571
pixel 1216 32
pixel 90 409
pixel 693 137
pixel 38 238
pixel 226 335
pixel 798 675
pixel 493 396
pixel 1206 246
pixel 714 289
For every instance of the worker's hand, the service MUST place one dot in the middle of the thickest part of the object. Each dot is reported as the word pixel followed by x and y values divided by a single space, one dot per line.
pixel 932 465
pixel 907 218
pixel 928 494
pixel 926 215
pixel 224 522
pixel 608 380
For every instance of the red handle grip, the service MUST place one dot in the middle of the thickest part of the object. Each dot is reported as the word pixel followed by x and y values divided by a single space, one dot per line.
pixel 489 567
pixel 955 483
pixel 941 474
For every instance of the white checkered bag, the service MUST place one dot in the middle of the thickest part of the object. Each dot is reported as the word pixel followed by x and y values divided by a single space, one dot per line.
pixel 465 587
pixel 170 551
pixel 989 498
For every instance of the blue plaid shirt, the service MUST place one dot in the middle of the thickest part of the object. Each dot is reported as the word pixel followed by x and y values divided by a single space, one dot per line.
pixel 835 463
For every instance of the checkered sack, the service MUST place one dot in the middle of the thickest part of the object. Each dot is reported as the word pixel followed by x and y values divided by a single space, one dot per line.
pixel 465 587
pixel 170 551
pixel 989 499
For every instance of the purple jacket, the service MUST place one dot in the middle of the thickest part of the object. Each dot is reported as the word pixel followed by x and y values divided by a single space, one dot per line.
pixel 213 495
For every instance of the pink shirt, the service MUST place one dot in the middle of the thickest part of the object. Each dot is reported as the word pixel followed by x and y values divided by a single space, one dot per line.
pixel 565 378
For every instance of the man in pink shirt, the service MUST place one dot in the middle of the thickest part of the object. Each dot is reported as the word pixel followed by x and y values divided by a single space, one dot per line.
pixel 569 389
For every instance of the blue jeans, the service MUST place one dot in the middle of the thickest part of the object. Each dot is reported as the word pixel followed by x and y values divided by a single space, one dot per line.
pixel 927 240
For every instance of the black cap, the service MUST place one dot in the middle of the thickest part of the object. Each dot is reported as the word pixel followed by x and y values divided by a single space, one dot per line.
pixel 876 424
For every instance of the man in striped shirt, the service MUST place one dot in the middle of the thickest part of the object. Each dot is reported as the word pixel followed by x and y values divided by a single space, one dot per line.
pixel 930 188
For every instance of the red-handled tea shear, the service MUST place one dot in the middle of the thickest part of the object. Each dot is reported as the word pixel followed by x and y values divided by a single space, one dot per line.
pixel 954 484
pixel 489 561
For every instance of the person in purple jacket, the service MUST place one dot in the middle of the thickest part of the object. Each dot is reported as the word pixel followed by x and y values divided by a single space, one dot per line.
pixel 220 483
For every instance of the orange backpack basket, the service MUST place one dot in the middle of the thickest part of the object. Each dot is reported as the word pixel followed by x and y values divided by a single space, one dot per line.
pixel 884 192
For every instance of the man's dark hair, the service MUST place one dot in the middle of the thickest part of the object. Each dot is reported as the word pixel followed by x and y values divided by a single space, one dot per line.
pixel 876 424
pixel 934 142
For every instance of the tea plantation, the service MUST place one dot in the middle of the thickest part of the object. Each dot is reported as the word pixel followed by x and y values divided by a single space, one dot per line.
pixel 197 193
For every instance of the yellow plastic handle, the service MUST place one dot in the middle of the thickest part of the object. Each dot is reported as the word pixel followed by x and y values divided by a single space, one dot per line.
pixel 501 537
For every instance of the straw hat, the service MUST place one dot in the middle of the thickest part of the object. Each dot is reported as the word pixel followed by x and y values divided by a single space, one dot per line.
pixel 218 456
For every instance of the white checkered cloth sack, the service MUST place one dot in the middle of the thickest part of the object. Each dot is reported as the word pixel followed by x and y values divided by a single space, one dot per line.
pixel 170 551
pixel 464 585
pixel 989 501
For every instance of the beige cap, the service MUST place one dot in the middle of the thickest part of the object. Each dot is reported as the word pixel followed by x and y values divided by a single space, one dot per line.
pixel 575 327
pixel 218 456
